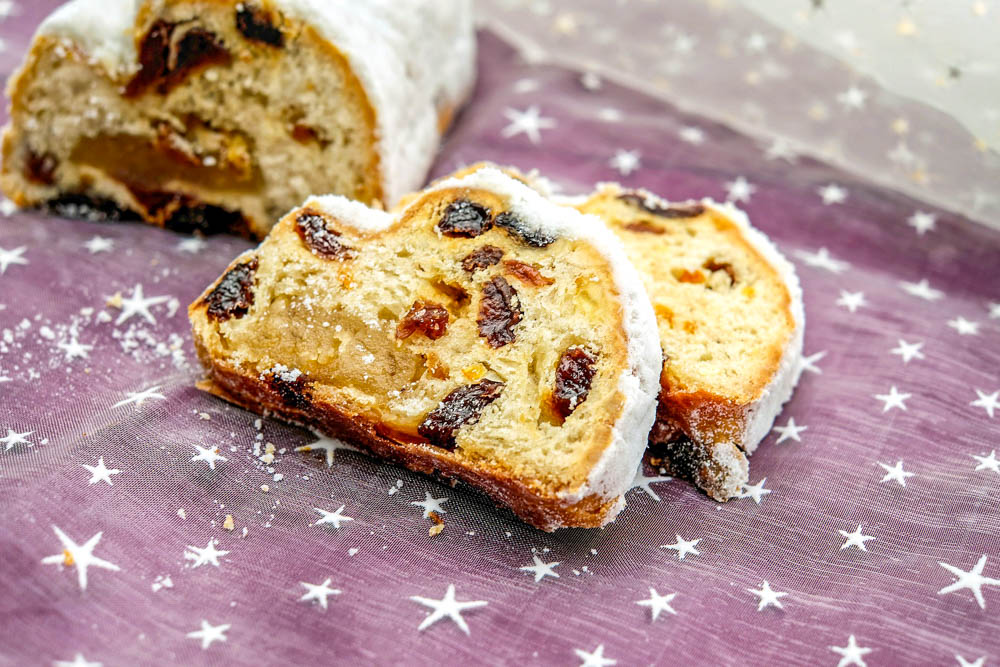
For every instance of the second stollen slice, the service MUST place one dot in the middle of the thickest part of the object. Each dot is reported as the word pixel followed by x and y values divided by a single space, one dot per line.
pixel 482 333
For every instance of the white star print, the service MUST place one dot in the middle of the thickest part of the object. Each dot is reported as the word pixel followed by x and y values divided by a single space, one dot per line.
pixel 209 455
pixel 853 98
pixel 332 518
pixel 973 580
pixel 7 207
pixel 988 462
pixel 328 445
pixel 994 311
pixel 988 402
pixel 808 363
pixel 922 222
pixel 740 190
pixel 207 556
pixel 781 149
pixel 896 473
pixel 8 8
pixel 768 597
pixel 640 481
pixel 591 81
pixel 14 438
pixel 908 351
pixel 447 607
pixel 318 593
pixel 658 603
pixel 8 257
pixel 894 399
pixel 922 289
pixel 191 245
pixel 595 659
pixel 684 44
pixel 692 135
pixel 832 194
pixel 789 431
pixel 683 547
pixel 78 661
pixel 430 504
pixel 964 327
pixel 81 556
pixel 756 43
pixel 851 300
pixel 822 259
pixel 209 633
pixel 852 653
pixel 625 162
pixel 756 491
pixel 855 539
pixel 962 662
pixel 138 304
pixel 100 472
pixel 74 349
pixel 540 569
pixel 98 244
pixel 901 154
pixel 610 115
pixel 529 122
pixel 140 397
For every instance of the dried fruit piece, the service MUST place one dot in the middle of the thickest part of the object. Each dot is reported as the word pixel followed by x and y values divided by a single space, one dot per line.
pixel 427 317
pixel 685 276
pixel 516 226
pixel 233 296
pixel 527 274
pixel 41 168
pixel 90 208
pixel 474 372
pixel 290 383
pixel 574 375
pixel 166 61
pixel 482 258
pixel 186 214
pixel 644 227
pixel 256 25
pixel 319 238
pixel 652 205
pixel 461 407
pixel 713 265
pixel 463 218
pixel 499 311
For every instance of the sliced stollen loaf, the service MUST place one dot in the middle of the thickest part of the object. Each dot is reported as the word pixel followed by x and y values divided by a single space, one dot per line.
pixel 221 115
pixel 482 332
pixel 731 324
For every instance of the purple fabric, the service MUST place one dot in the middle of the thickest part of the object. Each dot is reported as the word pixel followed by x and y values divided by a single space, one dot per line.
pixel 891 596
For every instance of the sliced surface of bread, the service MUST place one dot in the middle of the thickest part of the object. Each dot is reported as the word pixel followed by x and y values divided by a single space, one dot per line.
pixel 221 115
pixel 482 332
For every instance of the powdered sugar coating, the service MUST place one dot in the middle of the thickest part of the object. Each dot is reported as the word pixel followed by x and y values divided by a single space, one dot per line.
pixel 415 60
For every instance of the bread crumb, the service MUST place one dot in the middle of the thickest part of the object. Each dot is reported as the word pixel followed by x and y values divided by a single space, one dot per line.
pixel 269 448
pixel 278 477
pixel 181 513
pixel 228 524
pixel 245 531
pixel 115 301
pixel 265 488
pixel 438 526
pixel 204 415
pixel 267 458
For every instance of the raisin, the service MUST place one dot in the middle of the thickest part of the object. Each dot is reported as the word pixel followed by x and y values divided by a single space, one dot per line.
pixel 41 168
pixel 713 265
pixel 516 226
pixel 153 53
pixel 292 385
pixel 90 208
pixel 482 258
pixel 233 296
pixel 651 205
pixel 499 311
pixel 461 407
pixel 185 214
pixel 319 238
pixel 255 24
pixel 644 227
pixel 526 273
pixel 465 219
pixel 427 317
pixel 574 375
pixel 165 61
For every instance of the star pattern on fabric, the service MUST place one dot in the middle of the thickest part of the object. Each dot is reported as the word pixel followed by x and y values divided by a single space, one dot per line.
pixel 994 310
pixel 781 149
pixel 851 300
pixel 80 556
pixel 100 472
pixel 625 162
pixel 896 473
pixel 964 327
pixel 972 579
pixel 822 259
pixel 208 634
pixel 908 351
pixel 528 122
pixel 832 194
pixel 78 661
pixel 7 207
pixel 540 569
pixel 642 482
pixel 755 491
pixel 334 519
pixel 209 455
pixel 8 257
pixel 740 189
pixel 692 135
pixel 594 659
pixel 139 304
pixel 962 662
pixel 192 245
pixel 140 397
pixel 318 593
pixel 447 607
pixel 808 363
pixel 988 402
pixel 922 222
pixel 430 504
pixel 852 654
pixel 767 597
pixel 14 438
pixel 74 349
pixel 98 244
pixel 683 547
pixel 988 462
pixel 855 539
pixel 853 99
pixel 790 431
pixel 894 399
pixel 207 556
pixel 658 603
pixel 328 445
pixel 922 290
